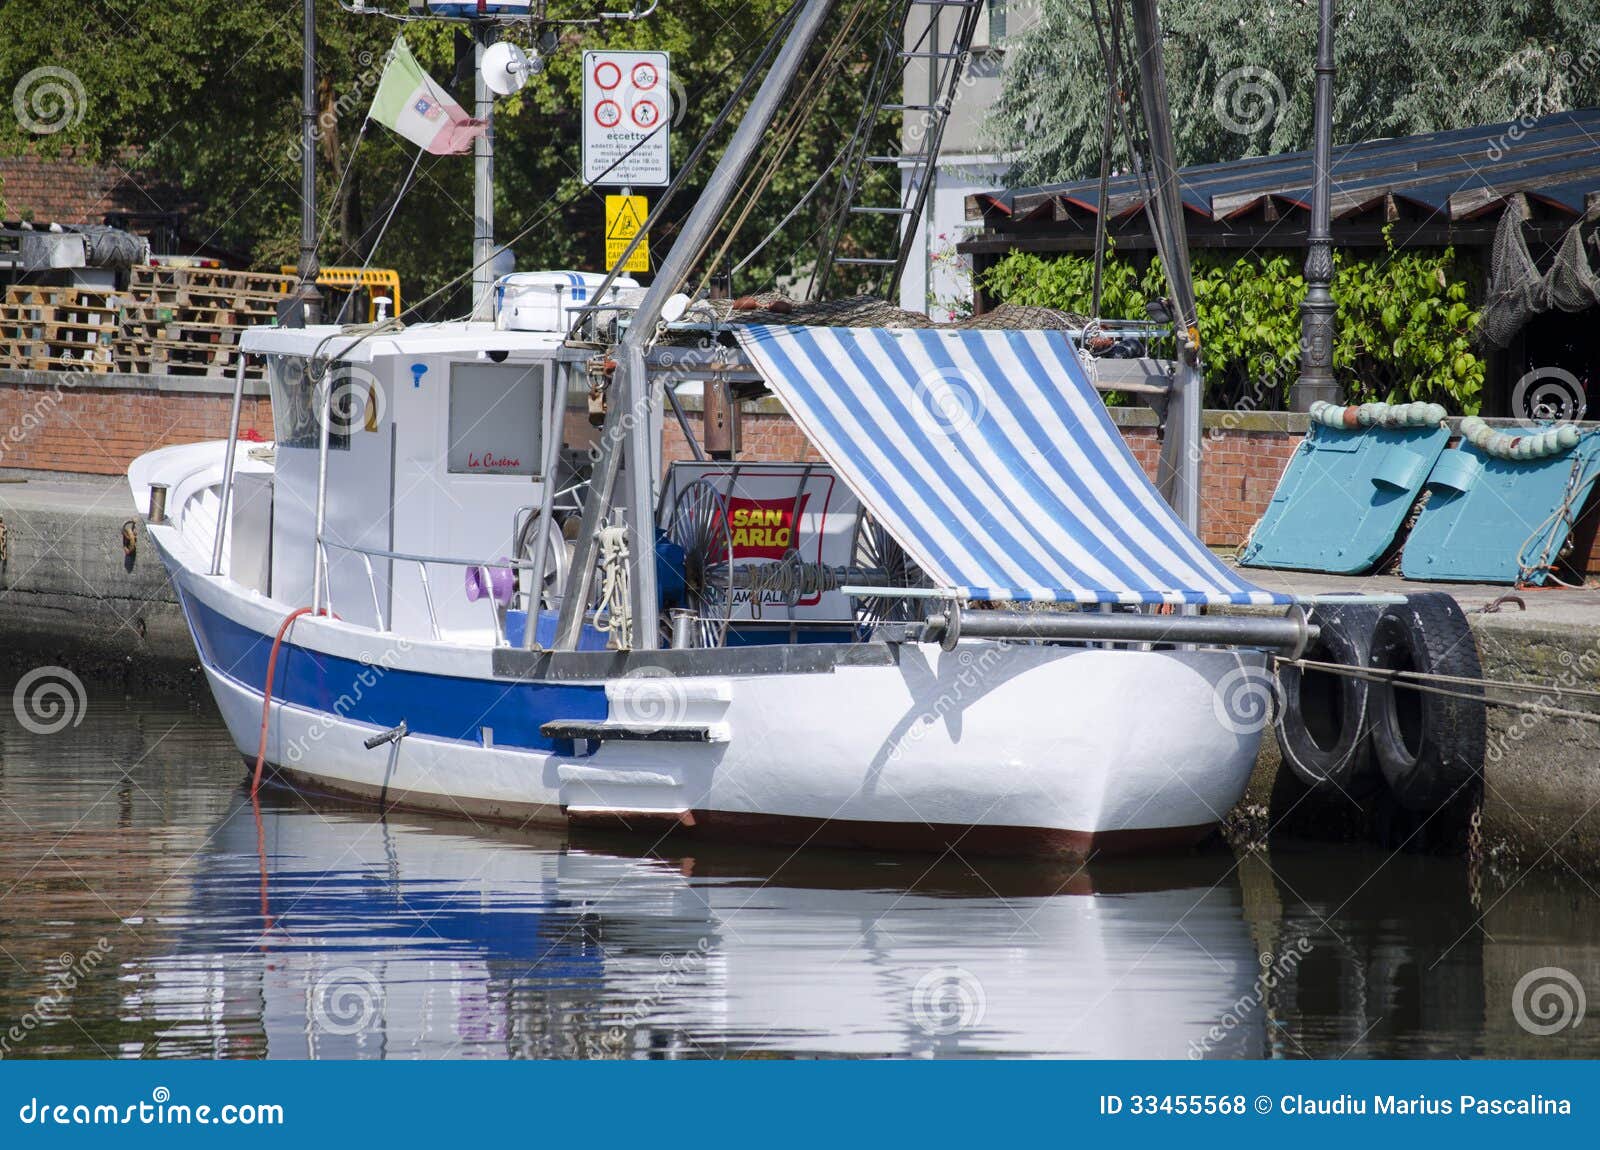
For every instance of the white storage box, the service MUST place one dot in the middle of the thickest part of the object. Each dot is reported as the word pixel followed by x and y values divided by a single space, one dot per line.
pixel 550 301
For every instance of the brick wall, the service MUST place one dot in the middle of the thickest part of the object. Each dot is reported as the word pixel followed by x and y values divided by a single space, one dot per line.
pixel 53 422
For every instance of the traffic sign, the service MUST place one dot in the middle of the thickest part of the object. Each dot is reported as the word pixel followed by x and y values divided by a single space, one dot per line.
pixel 627 114
pixel 625 216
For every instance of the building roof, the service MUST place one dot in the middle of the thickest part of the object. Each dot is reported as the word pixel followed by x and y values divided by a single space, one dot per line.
pixel 1441 178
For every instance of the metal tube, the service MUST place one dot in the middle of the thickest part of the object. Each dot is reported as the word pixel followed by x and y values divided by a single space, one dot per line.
pixel 158 503
pixel 227 467
pixel 1277 632
pixel 633 381
pixel 555 411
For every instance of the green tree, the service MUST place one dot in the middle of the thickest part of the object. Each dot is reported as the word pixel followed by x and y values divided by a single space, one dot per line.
pixel 1240 74
pixel 204 94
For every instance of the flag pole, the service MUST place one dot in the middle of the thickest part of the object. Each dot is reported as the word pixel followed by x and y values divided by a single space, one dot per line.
pixel 483 34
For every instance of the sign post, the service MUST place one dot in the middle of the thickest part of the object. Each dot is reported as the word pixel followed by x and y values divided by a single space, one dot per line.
pixel 627 119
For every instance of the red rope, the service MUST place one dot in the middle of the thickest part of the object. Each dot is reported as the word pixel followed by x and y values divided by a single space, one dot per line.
pixel 266 699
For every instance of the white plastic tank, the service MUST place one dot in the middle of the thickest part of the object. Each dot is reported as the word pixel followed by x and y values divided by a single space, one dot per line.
pixel 550 301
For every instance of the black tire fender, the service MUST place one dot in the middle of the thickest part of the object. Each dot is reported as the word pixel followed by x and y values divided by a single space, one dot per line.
pixel 1323 715
pixel 1428 746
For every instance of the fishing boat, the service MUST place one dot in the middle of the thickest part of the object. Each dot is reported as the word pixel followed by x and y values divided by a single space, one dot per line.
pixel 974 624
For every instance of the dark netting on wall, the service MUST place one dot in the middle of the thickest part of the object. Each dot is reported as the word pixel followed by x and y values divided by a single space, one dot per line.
pixel 1516 289
pixel 1571 283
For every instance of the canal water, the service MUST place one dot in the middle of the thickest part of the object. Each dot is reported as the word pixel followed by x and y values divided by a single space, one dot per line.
pixel 147 910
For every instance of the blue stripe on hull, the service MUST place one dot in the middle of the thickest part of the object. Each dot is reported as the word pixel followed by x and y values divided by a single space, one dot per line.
pixel 438 706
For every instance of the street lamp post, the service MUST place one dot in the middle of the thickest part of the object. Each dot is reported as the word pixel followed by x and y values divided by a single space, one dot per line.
pixel 1317 324
pixel 310 299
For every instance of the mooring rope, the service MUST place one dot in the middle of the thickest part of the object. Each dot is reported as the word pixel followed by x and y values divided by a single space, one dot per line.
pixel 1420 681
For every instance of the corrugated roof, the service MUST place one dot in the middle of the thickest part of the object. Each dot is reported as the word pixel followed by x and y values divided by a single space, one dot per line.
pixel 1461 174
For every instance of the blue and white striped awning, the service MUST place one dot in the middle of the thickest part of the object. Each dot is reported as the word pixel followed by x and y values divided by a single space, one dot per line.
pixel 989 456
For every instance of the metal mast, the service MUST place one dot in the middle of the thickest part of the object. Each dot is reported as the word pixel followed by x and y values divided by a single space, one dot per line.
pixel 1317 315
pixel 629 417
pixel 1180 451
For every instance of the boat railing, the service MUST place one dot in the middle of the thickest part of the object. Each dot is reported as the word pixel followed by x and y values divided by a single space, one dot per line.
pixel 368 554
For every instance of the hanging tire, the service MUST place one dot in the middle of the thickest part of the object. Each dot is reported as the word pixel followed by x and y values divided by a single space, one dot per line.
pixel 1323 716
pixel 1428 746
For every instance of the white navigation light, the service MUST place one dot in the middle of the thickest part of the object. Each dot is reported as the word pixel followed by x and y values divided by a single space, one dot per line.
pixel 505 68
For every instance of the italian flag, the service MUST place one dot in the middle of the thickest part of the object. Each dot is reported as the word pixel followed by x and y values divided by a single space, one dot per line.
pixel 410 103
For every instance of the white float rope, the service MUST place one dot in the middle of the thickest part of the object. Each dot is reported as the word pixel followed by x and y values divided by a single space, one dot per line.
pixel 1426 683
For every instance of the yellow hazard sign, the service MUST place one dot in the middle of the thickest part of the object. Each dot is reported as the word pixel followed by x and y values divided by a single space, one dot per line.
pixel 625 216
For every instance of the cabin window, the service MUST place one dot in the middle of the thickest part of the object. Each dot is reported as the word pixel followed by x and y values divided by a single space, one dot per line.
pixel 496 410
pixel 297 406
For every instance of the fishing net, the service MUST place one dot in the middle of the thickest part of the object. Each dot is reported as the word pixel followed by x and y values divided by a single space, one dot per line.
pixel 1571 283
pixel 869 311
pixel 1516 289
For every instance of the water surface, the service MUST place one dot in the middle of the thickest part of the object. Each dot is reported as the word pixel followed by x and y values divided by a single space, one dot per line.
pixel 148 910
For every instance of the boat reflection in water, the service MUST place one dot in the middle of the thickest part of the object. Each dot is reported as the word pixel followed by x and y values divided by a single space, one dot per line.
pixel 355 936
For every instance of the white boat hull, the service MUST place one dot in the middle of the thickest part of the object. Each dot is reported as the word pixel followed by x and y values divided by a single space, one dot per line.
pixel 990 748
pixel 1020 749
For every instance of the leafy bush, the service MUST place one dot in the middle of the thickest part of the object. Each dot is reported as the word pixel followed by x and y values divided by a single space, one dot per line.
pixel 1404 321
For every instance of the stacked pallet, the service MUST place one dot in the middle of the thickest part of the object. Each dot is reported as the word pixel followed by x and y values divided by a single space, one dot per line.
pixel 169 321
pixel 186 321
pixel 59 328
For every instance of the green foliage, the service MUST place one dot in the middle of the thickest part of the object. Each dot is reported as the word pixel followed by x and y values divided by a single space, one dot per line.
pixel 1239 74
pixel 1404 320
pixel 204 96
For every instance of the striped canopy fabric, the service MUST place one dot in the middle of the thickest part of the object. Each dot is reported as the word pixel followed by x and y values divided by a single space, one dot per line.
pixel 990 458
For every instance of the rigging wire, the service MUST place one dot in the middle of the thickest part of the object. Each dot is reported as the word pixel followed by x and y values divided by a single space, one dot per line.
pixel 799 113
pixel 773 34
pixel 367 262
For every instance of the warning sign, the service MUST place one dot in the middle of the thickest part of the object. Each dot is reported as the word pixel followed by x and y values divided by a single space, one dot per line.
pixel 627 119
pixel 625 217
